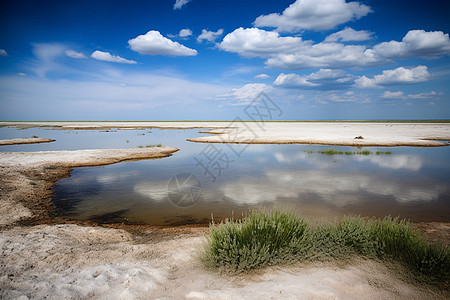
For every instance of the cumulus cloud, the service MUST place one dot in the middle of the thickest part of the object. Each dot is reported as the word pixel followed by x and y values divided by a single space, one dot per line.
pixel 180 3
pixel 21 74
pixel 74 54
pixel 209 36
pixel 349 34
pixel 246 94
pixel 262 76
pixel 253 42
pixel 416 43
pixel 401 95
pixel 324 78
pixel 3 52
pixel 425 95
pixel 393 95
pixel 185 32
pixel 293 53
pixel 153 43
pixel 106 56
pixel 313 15
pixel 397 76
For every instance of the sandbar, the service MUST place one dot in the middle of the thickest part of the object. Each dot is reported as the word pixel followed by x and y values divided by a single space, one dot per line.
pixel 20 141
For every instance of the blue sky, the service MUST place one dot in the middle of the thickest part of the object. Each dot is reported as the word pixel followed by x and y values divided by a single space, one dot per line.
pixel 207 60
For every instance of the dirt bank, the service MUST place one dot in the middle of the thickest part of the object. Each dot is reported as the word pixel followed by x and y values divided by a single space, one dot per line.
pixel 26 178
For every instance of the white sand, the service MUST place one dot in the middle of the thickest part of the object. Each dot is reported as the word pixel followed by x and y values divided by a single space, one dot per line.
pixel 374 134
pixel 74 262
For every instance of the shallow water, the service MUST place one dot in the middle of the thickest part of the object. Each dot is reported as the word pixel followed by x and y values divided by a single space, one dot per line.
pixel 202 180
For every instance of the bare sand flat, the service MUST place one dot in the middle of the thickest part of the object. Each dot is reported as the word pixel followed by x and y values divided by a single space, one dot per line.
pixel 325 133
pixel 25 141
pixel 343 134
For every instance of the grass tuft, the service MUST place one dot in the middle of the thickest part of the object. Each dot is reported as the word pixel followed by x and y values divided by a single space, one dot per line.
pixel 268 237
pixel 335 152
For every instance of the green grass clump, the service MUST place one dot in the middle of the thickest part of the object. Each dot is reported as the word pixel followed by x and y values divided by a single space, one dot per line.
pixel 264 238
pixel 260 238
pixel 34 137
pixel 383 153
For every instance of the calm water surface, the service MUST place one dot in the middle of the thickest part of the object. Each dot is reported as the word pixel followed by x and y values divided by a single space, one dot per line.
pixel 221 179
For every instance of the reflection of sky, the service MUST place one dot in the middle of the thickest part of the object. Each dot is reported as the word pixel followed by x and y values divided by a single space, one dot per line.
pixel 335 188
pixel 410 179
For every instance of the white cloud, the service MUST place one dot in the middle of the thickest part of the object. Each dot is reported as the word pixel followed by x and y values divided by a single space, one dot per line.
pixel 293 53
pixel 47 52
pixel 262 76
pixel 185 32
pixel 425 95
pixel 401 95
pixel 246 94
pixel 153 43
pixel 393 95
pixel 416 43
pixel 397 76
pixel 324 78
pixel 74 54
pixel 349 34
pixel 106 56
pixel 209 36
pixel 3 52
pixel 110 92
pixel 179 3
pixel 314 15
pixel 21 74
pixel 253 42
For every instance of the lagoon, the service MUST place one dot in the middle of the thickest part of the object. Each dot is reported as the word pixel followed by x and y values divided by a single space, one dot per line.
pixel 411 182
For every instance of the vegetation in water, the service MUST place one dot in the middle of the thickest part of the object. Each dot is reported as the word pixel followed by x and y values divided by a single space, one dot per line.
pixel 150 146
pixel 335 152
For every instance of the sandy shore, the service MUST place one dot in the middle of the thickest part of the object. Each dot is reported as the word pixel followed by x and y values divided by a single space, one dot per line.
pixel 75 262
pixel 25 141
pixel 325 133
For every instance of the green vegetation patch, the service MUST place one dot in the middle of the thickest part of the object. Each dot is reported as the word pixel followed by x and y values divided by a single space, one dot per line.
pixel 335 152
pixel 150 146
pixel 263 238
